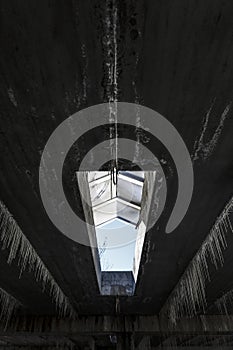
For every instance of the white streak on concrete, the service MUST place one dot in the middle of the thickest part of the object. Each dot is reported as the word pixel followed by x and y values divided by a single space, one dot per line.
pixel 11 96
pixel 203 149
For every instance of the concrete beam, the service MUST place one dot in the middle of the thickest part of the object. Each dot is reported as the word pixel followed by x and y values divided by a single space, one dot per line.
pixel 97 325
pixel 144 344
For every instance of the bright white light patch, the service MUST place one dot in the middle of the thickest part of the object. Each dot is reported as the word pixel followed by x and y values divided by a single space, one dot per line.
pixel 119 258
pixel 116 205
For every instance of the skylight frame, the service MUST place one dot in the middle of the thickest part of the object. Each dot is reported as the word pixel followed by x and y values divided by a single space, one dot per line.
pixel 149 179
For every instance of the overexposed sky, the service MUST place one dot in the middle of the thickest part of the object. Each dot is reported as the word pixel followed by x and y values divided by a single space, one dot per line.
pixel 119 238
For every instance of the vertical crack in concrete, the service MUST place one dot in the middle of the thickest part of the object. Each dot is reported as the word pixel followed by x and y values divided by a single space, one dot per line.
pixel 189 297
pixel 84 74
pixel 14 239
pixel 110 49
pixel 140 135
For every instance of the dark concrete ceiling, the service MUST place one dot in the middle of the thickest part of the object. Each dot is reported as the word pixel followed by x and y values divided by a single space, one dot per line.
pixel 175 57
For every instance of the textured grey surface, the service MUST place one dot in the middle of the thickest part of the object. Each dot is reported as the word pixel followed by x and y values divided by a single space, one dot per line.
pixel 175 57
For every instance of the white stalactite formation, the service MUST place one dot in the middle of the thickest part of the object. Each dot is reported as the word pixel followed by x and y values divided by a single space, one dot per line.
pixel 223 302
pixel 19 246
pixel 188 297
pixel 8 304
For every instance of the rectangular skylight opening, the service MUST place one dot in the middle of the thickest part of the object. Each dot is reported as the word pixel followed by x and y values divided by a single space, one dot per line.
pixel 116 201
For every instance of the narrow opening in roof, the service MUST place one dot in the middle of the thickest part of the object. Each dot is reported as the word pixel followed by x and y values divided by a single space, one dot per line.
pixel 116 204
pixel 120 204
